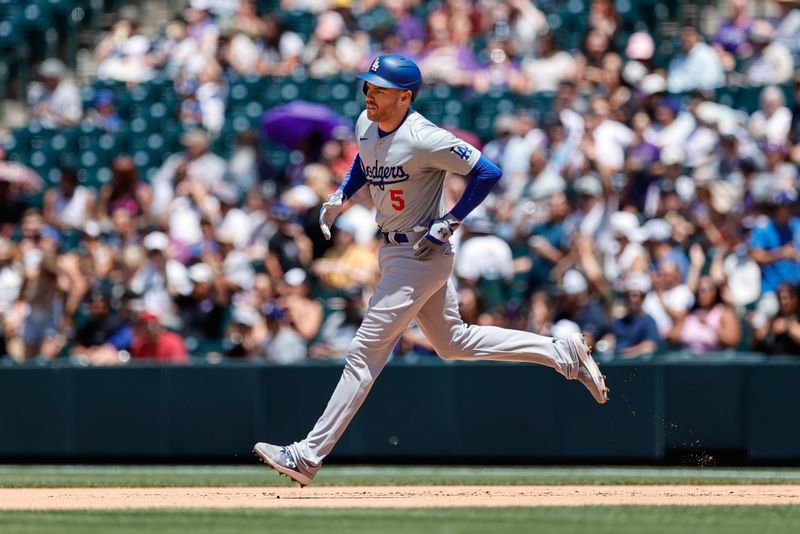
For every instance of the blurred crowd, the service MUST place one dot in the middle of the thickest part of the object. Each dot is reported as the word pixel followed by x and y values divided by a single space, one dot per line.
pixel 638 208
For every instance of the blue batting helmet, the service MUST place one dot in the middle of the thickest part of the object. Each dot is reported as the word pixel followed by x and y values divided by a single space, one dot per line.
pixel 393 71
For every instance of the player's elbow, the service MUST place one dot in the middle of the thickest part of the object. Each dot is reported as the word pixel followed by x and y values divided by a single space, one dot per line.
pixel 491 172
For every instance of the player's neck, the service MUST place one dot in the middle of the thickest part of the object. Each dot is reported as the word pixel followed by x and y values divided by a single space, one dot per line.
pixel 391 124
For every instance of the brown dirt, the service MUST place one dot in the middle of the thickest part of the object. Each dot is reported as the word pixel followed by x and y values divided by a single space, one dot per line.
pixel 391 496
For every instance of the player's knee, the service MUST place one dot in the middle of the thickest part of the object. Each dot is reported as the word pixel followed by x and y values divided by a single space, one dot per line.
pixel 456 349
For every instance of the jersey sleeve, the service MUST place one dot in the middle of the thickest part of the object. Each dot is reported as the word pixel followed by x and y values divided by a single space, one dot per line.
pixel 443 150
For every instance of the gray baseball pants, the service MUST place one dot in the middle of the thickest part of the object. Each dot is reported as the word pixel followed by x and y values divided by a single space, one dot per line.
pixel 411 289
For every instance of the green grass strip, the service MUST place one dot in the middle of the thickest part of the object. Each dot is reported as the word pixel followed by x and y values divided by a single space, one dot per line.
pixel 551 520
pixel 260 476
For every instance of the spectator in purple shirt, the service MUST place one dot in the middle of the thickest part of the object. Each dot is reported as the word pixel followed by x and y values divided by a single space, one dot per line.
pixel 730 39
pixel 408 28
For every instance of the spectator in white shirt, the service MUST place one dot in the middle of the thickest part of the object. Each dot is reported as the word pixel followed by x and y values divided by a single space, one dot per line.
pixel 671 126
pixel 123 54
pixel 482 254
pixel 772 122
pixel 70 204
pixel 670 299
pixel 771 61
pixel 699 67
pixel 161 278
pixel 197 161
pixel 55 101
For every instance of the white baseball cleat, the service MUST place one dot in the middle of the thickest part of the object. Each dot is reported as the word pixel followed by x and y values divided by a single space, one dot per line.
pixel 282 460
pixel 589 373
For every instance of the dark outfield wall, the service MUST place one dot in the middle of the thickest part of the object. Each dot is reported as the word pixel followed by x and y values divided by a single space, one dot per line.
pixel 488 413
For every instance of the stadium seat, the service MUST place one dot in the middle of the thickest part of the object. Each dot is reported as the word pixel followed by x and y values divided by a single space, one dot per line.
pixel 276 155
pixel 148 151
pixel 10 31
pixel 484 110
pixel 301 22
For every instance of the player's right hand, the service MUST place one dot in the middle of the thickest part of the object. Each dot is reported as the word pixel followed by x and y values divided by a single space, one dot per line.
pixel 330 210
pixel 438 233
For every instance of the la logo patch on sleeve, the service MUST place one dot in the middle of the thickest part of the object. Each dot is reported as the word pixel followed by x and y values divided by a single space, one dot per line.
pixel 462 151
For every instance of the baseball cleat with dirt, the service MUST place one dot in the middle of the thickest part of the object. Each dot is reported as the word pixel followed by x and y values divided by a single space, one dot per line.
pixel 589 373
pixel 282 460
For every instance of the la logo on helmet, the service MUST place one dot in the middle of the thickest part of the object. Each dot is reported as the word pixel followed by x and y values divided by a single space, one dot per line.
pixel 375 64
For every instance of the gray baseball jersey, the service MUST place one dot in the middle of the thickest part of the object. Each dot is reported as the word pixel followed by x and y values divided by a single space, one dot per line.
pixel 406 169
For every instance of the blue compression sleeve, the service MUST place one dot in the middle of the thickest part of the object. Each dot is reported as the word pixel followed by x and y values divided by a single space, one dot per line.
pixel 482 178
pixel 354 180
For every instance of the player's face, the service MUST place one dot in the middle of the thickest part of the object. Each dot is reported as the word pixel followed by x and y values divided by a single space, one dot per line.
pixel 385 104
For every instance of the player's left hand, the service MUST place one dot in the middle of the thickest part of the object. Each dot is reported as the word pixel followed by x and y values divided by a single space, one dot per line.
pixel 438 232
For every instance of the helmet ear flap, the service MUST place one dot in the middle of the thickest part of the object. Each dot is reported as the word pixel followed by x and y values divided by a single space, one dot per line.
pixel 364 87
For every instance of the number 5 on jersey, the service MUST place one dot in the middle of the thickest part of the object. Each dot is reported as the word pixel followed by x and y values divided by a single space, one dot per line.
pixel 398 202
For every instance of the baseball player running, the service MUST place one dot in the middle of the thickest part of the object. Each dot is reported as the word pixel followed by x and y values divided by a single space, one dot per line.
pixel 403 158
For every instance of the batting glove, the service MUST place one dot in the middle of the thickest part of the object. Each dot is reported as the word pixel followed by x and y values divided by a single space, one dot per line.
pixel 439 231
pixel 330 210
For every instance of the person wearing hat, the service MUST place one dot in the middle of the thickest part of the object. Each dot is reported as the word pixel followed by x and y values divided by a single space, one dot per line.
pixel 590 205
pixel 775 243
pixel 771 62
pixel 288 247
pixel 103 113
pixel 151 341
pixel 55 101
pixel 160 278
pixel 698 67
pixel 658 243
pixel 202 312
pixel 628 255
pixel 303 313
pixel 635 333
pixel 246 333
pixel 576 305
pixel 482 255
pixel 670 299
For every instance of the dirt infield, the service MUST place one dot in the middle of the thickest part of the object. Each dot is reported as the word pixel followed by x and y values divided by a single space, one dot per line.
pixel 392 496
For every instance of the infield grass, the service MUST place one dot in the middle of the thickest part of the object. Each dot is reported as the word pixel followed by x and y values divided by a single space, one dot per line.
pixel 42 476
pixel 554 520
